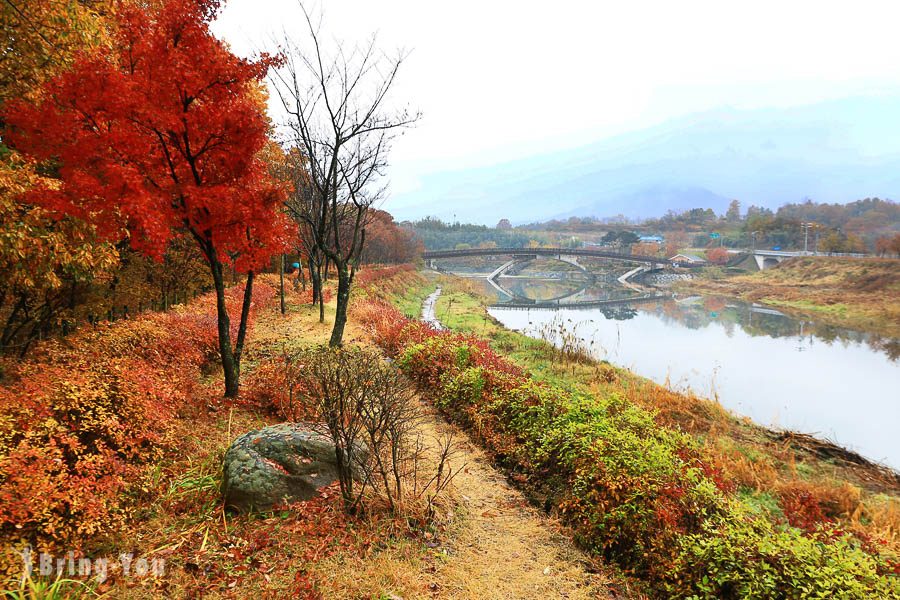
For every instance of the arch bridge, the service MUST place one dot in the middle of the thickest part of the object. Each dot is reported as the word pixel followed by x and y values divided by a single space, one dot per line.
pixel 519 257
pixel 532 253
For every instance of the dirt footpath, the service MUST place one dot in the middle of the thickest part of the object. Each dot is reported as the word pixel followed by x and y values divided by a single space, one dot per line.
pixel 505 547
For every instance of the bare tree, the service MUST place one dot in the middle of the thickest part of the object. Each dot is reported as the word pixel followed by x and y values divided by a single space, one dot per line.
pixel 341 124
pixel 304 205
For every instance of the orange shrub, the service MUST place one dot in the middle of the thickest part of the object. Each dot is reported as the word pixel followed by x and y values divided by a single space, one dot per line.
pixel 717 256
pixel 82 419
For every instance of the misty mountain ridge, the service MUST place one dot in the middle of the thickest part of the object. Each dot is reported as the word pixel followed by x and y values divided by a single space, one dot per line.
pixel 835 151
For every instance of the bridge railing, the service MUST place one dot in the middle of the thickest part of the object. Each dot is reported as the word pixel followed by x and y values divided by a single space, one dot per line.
pixel 584 252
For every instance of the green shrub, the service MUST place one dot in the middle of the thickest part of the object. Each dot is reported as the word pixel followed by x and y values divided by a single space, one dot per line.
pixel 734 556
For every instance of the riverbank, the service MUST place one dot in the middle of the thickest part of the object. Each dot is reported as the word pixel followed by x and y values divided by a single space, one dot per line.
pixel 855 293
pixel 463 307
pixel 793 482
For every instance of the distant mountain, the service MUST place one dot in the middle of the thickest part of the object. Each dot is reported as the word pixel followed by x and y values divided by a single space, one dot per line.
pixel 835 151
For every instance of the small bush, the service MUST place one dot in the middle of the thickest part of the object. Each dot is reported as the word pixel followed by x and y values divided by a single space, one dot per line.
pixel 740 557
pixel 371 413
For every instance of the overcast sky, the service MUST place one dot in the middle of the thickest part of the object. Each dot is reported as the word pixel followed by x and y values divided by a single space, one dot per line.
pixel 504 79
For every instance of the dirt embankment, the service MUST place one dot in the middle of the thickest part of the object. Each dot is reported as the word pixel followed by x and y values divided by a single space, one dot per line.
pixel 860 293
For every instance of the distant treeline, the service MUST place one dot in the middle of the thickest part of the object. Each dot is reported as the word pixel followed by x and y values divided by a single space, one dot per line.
pixel 438 235
pixel 868 225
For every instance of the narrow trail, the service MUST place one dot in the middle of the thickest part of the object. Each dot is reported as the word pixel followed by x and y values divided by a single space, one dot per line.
pixel 505 548
pixel 428 309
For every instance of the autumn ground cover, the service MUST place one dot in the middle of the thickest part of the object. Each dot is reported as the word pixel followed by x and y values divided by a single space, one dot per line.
pixel 672 488
pixel 139 409
pixel 849 292
pixel 312 550
pixel 152 383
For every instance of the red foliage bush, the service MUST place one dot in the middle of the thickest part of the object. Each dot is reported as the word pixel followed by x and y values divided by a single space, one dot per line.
pixel 717 256
pixel 305 296
pixel 81 420
pixel 802 509
pixel 274 386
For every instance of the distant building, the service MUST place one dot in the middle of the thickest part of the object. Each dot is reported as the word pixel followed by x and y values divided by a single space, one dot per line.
pixel 651 239
pixel 687 259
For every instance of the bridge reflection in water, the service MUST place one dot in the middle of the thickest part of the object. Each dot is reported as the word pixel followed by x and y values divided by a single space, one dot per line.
pixel 573 290
pixel 779 370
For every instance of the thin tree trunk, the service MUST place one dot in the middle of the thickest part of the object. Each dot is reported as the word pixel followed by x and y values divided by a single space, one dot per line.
pixel 301 274
pixel 321 303
pixel 345 278
pixel 318 296
pixel 229 366
pixel 312 279
pixel 245 317
pixel 281 281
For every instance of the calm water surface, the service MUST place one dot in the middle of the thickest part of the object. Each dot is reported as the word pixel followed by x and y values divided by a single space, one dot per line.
pixel 782 372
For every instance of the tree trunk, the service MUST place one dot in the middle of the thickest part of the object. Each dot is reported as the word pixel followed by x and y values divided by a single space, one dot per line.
pixel 281 281
pixel 345 278
pixel 315 273
pixel 229 366
pixel 314 280
pixel 301 274
pixel 245 317
pixel 321 304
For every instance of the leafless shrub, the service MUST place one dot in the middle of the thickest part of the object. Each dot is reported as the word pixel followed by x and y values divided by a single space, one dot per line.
pixel 371 413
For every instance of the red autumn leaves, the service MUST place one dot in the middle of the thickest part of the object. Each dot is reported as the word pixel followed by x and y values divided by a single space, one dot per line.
pixel 159 136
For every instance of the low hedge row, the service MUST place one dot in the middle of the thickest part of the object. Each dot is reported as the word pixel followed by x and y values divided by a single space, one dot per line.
pixel 636 493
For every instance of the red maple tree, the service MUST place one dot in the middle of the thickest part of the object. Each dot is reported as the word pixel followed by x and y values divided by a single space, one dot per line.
pixel 159 137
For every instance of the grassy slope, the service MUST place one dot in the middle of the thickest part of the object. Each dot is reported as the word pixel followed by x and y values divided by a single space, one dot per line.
pixel 764 463
pixel 857 293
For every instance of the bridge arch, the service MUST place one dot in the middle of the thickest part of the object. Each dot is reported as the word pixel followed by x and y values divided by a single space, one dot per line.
pixel 769 262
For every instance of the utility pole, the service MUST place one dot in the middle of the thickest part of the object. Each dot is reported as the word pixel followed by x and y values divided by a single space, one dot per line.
pixel 806 227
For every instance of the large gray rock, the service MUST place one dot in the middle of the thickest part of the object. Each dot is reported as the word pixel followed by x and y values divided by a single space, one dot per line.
pixel 275 465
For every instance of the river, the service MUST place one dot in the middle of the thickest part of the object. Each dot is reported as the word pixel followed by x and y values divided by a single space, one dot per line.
pixel 782 372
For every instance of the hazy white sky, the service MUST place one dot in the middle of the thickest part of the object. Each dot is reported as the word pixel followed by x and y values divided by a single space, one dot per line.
pixel 504 79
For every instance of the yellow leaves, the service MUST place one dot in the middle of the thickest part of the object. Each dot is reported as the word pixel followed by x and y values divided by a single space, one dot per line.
pixel 36 251
pixel 43 36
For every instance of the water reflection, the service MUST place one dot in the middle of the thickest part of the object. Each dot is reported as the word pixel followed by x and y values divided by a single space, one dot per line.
pixel 777 369
pixel 693 312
